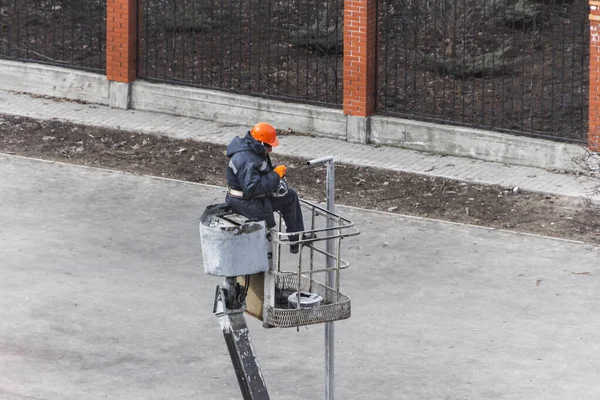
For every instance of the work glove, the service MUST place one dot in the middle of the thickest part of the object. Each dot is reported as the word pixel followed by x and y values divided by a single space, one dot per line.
pixel 281 170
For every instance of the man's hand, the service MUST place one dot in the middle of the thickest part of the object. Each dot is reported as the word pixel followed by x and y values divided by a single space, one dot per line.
pixel 281 170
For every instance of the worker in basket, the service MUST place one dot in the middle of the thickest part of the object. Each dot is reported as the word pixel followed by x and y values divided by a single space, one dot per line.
pixel 255 188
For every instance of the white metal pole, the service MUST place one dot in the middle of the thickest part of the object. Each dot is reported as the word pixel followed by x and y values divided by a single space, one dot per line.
pixel 330 281
pixel 330 276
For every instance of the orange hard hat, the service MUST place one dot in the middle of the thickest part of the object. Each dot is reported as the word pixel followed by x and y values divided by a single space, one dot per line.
pixel 265 133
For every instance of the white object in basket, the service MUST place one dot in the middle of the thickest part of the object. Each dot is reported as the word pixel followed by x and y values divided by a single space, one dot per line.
pixel 307 300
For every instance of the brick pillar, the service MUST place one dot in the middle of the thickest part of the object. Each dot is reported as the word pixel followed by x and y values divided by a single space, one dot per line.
pixel 594 88
pixel 360 53
pixel 121 40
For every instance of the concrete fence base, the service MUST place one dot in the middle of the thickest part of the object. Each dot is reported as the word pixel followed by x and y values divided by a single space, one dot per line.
pixel 319 121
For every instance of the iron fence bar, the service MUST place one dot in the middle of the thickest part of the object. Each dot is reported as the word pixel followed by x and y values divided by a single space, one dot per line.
pixel 37 32
pixel 89 38
pixel 445 35
pixel 4 49
pixel 73 22
pixel 19 28
pixel 64 42
pixel 10 35
pixel 464 55
pixel 543 65
pixel 249 45
pixel 26 33
pixel 203 60
pixel 102 35
pixel 327 45
pixel 473 81
pixel 297 52
pixel 453 52
pixel 385 63
pixel 278 63
pixel 523 73
pixel 397 62
pixel 166 39
pixel 221 53
pixel 156 41
pixel 562 71
pixel 483 72
pixel 146 26
pixel 211 72
pixel 337 28
pixel 317 50
pixel 585 43
pixel 172 40
pixel 91 41
pixel 574 40
pixel 406 76
pixel 4 43
pixel 288 57
pixel 307 41
pixel 493 109
pixel 503 102
pixel 241 48
pixel 553 66
pixel 258 55
pixel 184 17
pixel 435 53
pixel 230 46
pixel 27 37
pixel 269 46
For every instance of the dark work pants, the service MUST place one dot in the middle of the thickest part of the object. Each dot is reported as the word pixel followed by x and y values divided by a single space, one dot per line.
pixel 289 207
pixel 263 208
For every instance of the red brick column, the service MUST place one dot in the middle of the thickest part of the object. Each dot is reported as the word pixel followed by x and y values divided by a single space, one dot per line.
pixel 594 89
pixel 360 53
pixel 121 40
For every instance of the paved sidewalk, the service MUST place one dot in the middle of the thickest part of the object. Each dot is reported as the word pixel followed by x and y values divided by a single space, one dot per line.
pixel 392 158
pixel 103 296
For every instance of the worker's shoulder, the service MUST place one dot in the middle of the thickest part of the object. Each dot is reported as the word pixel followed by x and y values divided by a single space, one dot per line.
pixel 247 156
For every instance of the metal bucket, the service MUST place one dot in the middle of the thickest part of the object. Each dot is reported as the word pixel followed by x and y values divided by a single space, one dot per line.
pixel 231 245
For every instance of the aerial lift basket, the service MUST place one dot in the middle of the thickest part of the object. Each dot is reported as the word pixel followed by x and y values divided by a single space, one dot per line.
pixel 296 275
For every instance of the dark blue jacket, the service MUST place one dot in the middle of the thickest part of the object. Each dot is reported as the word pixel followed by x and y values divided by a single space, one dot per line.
pixel 250 170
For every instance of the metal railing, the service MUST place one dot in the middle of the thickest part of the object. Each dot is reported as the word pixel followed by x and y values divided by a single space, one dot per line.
pixel 68 33
pixel 288 49
pixel 519 66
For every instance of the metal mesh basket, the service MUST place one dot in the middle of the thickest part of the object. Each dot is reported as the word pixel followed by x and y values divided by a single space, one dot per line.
pixel 316 271
pixel 334 307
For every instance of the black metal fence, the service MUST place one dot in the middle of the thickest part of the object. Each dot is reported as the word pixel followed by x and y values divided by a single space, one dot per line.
pixel 69 33
pixel 512 65
pixel 519 66
pixel 286 49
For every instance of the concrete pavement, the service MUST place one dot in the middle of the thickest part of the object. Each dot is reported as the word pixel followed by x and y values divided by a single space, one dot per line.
pixel 103 296
pixel 386 157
